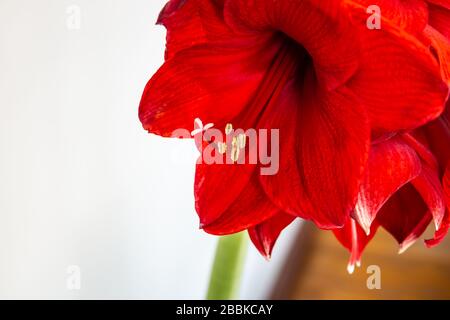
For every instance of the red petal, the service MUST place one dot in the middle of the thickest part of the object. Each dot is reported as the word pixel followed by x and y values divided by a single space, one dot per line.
pixel 442 46
pixel 443 230
pixel 187 23
pixel 217 187
pixel 229 197
pixel 418 230
pixel 445 4
pixel 440 234
pixel 265 234
pixel 429 186
pixel 322 152
pixel 250 208
pixel 440 16
pixel 446 185
pixel 194 22
pixel 321 27
pixel 399 80
pixel 391 165
pixel 211 83
pixel 354 238
pixel 405 216
pixel 439 33
pixel 411 15
pixel 438 138
pixel 422 151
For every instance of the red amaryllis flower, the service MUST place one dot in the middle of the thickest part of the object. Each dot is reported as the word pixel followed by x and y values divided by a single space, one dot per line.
pixel 401 192
pixel 312 70
pixel 407 187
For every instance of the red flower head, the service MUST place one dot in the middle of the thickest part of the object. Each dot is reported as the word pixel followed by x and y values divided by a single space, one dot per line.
pixel 406 187
pixel 346 99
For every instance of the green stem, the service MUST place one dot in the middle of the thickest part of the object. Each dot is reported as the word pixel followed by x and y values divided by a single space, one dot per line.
pixel 227 269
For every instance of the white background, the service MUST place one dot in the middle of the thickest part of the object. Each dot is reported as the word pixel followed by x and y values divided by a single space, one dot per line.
pixel 81 183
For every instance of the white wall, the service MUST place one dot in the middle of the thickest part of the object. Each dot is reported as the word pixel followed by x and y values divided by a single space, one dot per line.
pixel 81 183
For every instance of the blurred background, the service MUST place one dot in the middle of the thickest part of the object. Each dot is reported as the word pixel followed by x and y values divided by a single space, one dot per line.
pixel 320 272
pixel 91 206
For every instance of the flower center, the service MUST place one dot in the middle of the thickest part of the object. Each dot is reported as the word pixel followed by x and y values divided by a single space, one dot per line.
pixel 290 62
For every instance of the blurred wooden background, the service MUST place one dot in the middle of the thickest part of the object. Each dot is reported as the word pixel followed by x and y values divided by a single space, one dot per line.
pixel 318 270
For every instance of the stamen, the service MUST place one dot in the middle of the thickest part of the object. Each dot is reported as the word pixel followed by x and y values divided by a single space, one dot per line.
pixel 242 140
pixel 354 256
pixel 234 150
pixel 350 268
pixel 222 147
pixel 198 122
pixel 228 128
pixel 199 128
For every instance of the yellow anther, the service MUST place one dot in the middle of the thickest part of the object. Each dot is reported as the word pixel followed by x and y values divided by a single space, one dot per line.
pixel 234 149
pixel 234 153
pixel 242 140
pixel 228 128
pixel 222 147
